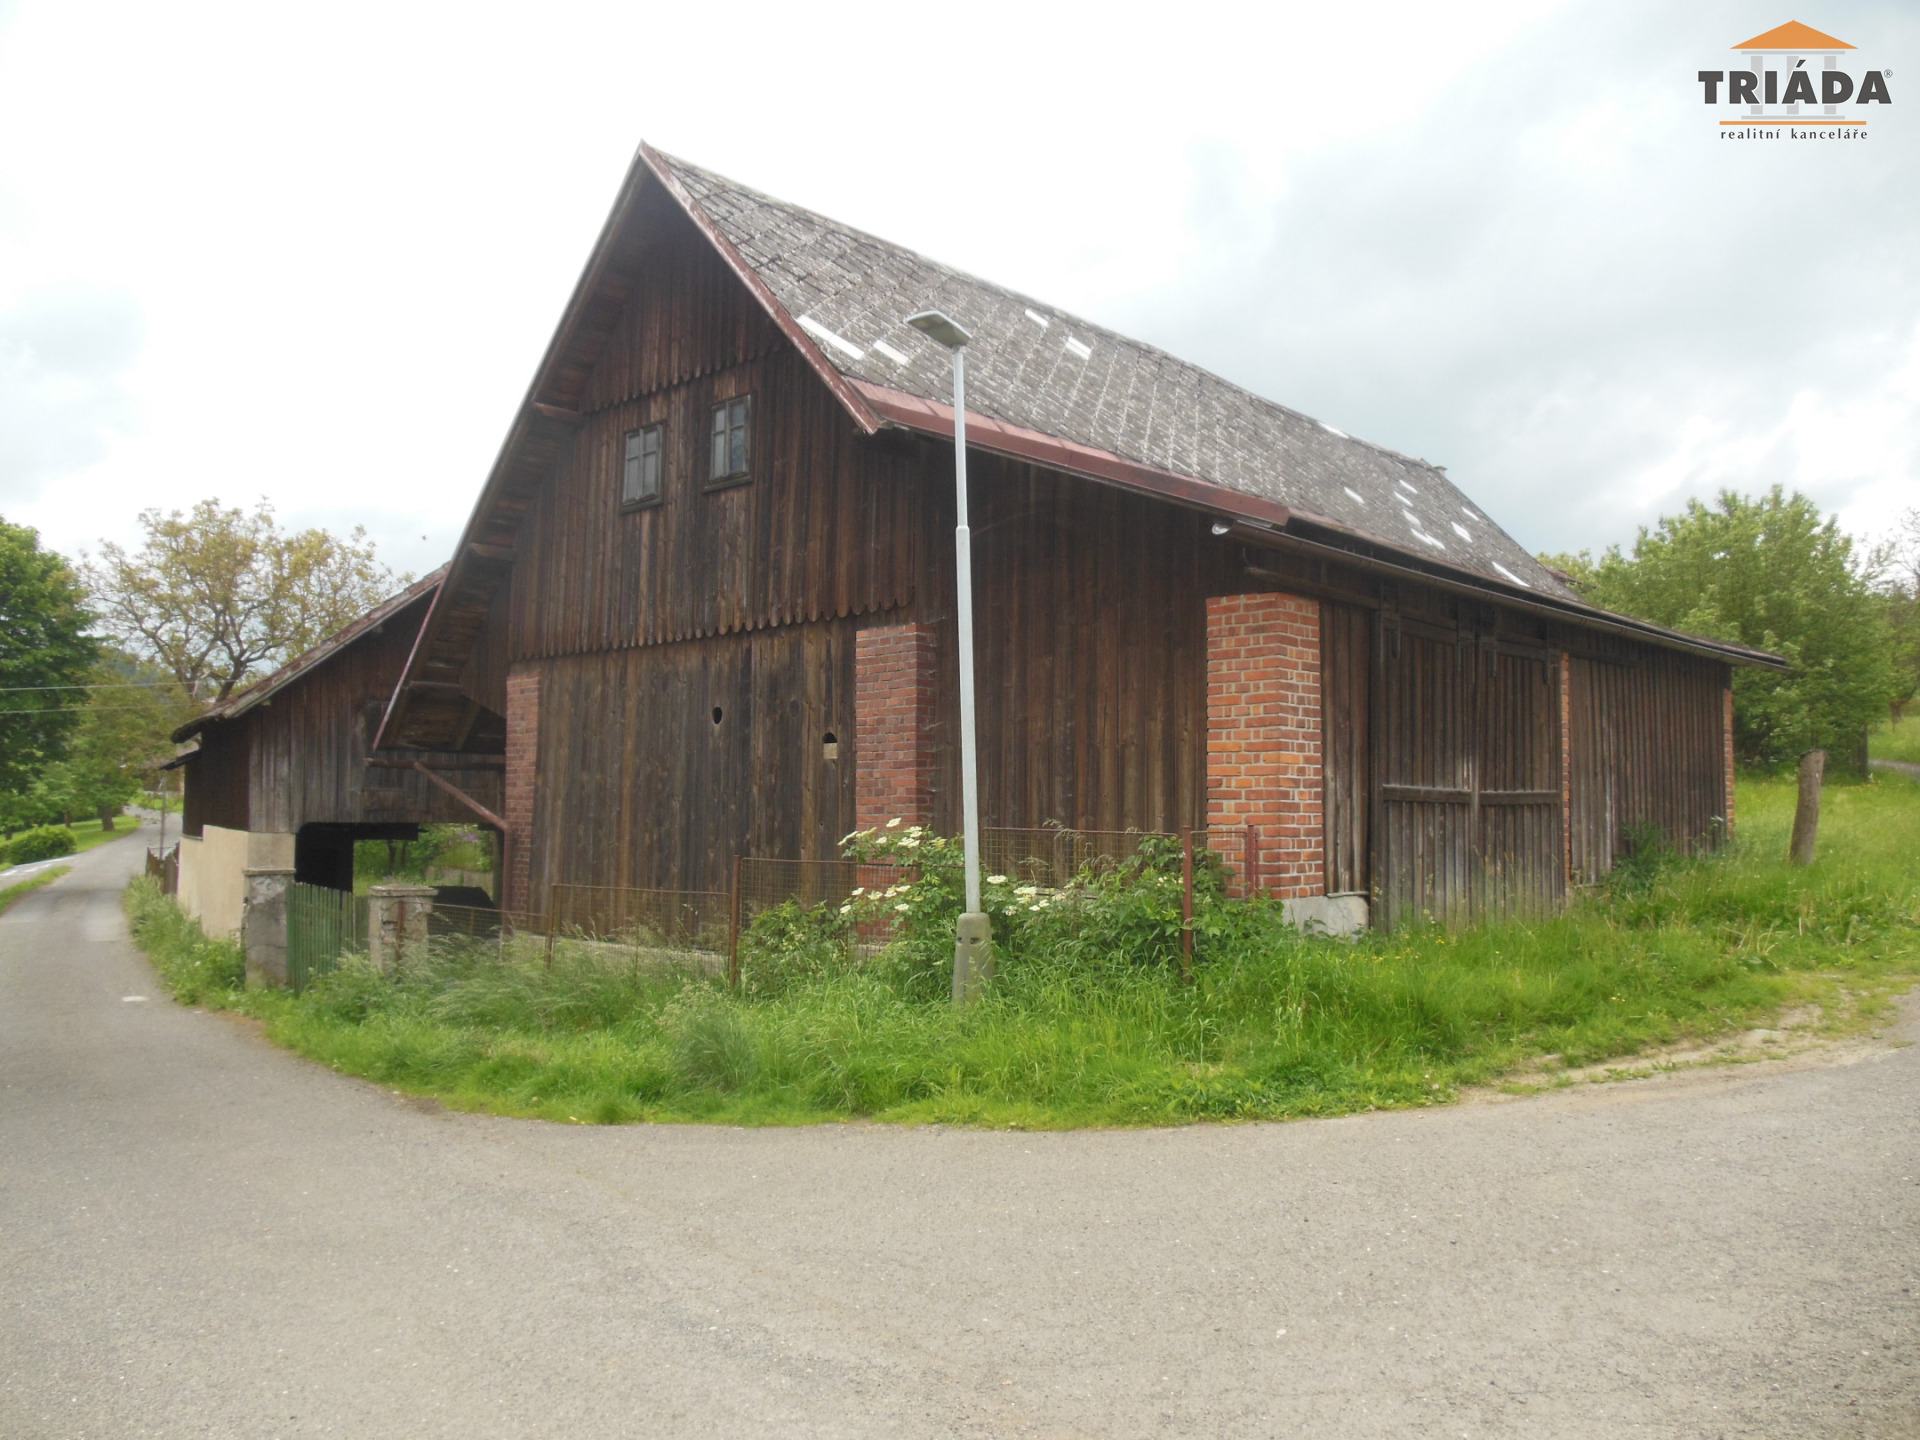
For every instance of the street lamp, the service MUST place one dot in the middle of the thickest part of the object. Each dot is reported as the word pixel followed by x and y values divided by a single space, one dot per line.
pixel 973 947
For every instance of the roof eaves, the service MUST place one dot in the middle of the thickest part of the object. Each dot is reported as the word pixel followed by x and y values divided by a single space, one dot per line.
pixel 263 690
pixel 842 387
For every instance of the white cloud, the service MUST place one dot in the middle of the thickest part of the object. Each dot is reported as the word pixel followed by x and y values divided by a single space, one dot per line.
pixel 1497 235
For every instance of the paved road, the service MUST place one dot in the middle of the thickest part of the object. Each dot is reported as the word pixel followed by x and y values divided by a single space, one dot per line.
pixel 200 1235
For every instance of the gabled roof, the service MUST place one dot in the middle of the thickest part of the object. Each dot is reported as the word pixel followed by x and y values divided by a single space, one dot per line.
pixel 1042 371
pixel 261 691
pixel 1794 37
pixel 1043 385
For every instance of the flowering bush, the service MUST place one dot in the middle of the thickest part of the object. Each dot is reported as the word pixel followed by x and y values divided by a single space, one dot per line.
pixel 1126 912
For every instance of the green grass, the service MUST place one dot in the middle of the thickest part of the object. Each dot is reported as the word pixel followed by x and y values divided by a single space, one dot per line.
pixel 13 892
pixel 1274 1025
pixel 1896 742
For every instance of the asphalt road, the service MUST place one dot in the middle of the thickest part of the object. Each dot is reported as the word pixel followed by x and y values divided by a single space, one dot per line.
pixel 201 1235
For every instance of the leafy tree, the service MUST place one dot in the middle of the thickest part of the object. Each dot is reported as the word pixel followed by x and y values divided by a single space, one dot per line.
pixel 124 735
pixel 1771 573
pixel 45 653
pixel 1897 565
pixel 222 596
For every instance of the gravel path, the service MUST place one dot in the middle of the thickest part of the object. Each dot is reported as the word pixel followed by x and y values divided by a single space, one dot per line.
pixel 202 1235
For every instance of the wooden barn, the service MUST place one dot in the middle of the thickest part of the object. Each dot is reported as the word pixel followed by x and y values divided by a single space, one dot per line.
pixel 706 599
pixel 282 774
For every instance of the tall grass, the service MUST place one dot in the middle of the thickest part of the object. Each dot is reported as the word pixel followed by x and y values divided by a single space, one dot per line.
pixel 1273 1024
pixel 1896 742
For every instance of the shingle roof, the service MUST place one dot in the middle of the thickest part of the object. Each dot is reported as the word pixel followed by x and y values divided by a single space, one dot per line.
pixel 1034 366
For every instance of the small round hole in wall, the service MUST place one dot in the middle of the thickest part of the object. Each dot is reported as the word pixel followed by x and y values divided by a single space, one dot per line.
pixel 716 715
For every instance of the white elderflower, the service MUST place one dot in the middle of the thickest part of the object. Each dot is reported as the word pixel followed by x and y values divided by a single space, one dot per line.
pixel 996 879
pixel 903 906
pixel 859 889
pixel 894 824
pixel 846 909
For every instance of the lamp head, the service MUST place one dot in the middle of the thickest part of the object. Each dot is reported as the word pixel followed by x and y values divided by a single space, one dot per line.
pixel 936 326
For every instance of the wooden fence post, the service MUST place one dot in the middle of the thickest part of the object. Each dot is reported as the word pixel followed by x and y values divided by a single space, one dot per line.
pixel 1806 814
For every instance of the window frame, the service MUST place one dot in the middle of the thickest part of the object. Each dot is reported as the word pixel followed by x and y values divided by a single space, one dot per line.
pixel 645 502
pixel 724 407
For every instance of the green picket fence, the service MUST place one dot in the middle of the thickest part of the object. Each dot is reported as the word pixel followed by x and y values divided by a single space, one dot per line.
pixel 322 925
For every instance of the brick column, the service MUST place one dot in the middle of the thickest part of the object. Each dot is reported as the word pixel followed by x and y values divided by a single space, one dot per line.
pixel 1263 734
pixel 893 698
pixel 523 767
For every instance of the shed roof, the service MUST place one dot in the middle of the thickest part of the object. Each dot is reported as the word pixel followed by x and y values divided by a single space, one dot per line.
pixel 263 690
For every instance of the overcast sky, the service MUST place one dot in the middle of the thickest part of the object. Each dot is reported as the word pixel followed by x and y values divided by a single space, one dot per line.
pixel 314 253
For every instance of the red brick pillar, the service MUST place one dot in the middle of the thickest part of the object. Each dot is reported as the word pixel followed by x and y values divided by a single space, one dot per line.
pixel 1263 734
pixel 893 699
pixel 523 764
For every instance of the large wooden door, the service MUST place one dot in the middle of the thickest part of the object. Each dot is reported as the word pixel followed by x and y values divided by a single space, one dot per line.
pixel 1467 760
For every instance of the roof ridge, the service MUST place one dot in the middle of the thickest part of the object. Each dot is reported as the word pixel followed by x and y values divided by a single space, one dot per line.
pixel 1093 327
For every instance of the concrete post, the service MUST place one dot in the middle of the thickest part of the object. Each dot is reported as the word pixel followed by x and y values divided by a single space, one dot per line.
pixel 397 923
pixel 263 923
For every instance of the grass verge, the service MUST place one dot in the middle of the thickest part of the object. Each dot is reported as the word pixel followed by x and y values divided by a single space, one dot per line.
pixel 13 892
pixel 1896 742
pixel 1274 1025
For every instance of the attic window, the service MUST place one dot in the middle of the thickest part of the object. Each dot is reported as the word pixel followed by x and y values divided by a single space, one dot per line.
pixel 640 477
pixel 731 453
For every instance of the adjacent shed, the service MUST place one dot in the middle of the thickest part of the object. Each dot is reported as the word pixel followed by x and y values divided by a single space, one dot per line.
pixel 284 774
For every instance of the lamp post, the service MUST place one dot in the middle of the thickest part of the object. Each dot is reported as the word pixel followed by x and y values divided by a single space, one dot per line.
pixel 973 947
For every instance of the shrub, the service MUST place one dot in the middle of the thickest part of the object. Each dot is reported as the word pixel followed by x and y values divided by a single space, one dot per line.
pixel 49 842
pixel 197 970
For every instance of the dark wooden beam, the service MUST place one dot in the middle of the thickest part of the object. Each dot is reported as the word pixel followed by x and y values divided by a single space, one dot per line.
pixel 490 552
pixel 465 799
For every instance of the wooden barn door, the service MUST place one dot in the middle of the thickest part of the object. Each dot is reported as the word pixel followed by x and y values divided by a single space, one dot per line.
pixel 1467 752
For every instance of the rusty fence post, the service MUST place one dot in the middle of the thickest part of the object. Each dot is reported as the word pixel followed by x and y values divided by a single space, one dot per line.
pixel 1186 903
pixel 733 936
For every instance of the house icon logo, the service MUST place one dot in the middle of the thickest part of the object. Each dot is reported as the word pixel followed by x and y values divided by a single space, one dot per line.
pixel 1794 86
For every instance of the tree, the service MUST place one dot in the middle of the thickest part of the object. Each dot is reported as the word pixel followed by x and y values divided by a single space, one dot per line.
pixel 219 597
pixel 1770 573
pixel 123 738
pixel 45 652
pixel 1896 564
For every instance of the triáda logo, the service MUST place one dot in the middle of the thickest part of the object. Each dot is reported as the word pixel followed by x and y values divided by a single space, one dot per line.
pixel 1794 87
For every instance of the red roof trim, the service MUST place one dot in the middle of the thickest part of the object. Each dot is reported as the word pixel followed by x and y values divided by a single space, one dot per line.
pixel 844 390
pixel 930 417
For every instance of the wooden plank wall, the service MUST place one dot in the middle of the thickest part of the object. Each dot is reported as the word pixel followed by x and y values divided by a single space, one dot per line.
pixel 1346 679
pixel 216 781
pixel 642 786
pixel 307 745
pixel 822 528
pixel 1090 633
pixel 1646 748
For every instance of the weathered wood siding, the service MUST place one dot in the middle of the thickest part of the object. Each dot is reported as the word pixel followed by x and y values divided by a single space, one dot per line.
pixel 658 764
pixel 1090 632
pixel 1646 747
pixel 307 745
pixel 1346 681
pixel 216 781
pixel 1466 738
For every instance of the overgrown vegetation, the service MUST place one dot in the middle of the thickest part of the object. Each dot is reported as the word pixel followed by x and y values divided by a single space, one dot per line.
pixel 1088 1021
pixel 197 970
pixel 49 842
